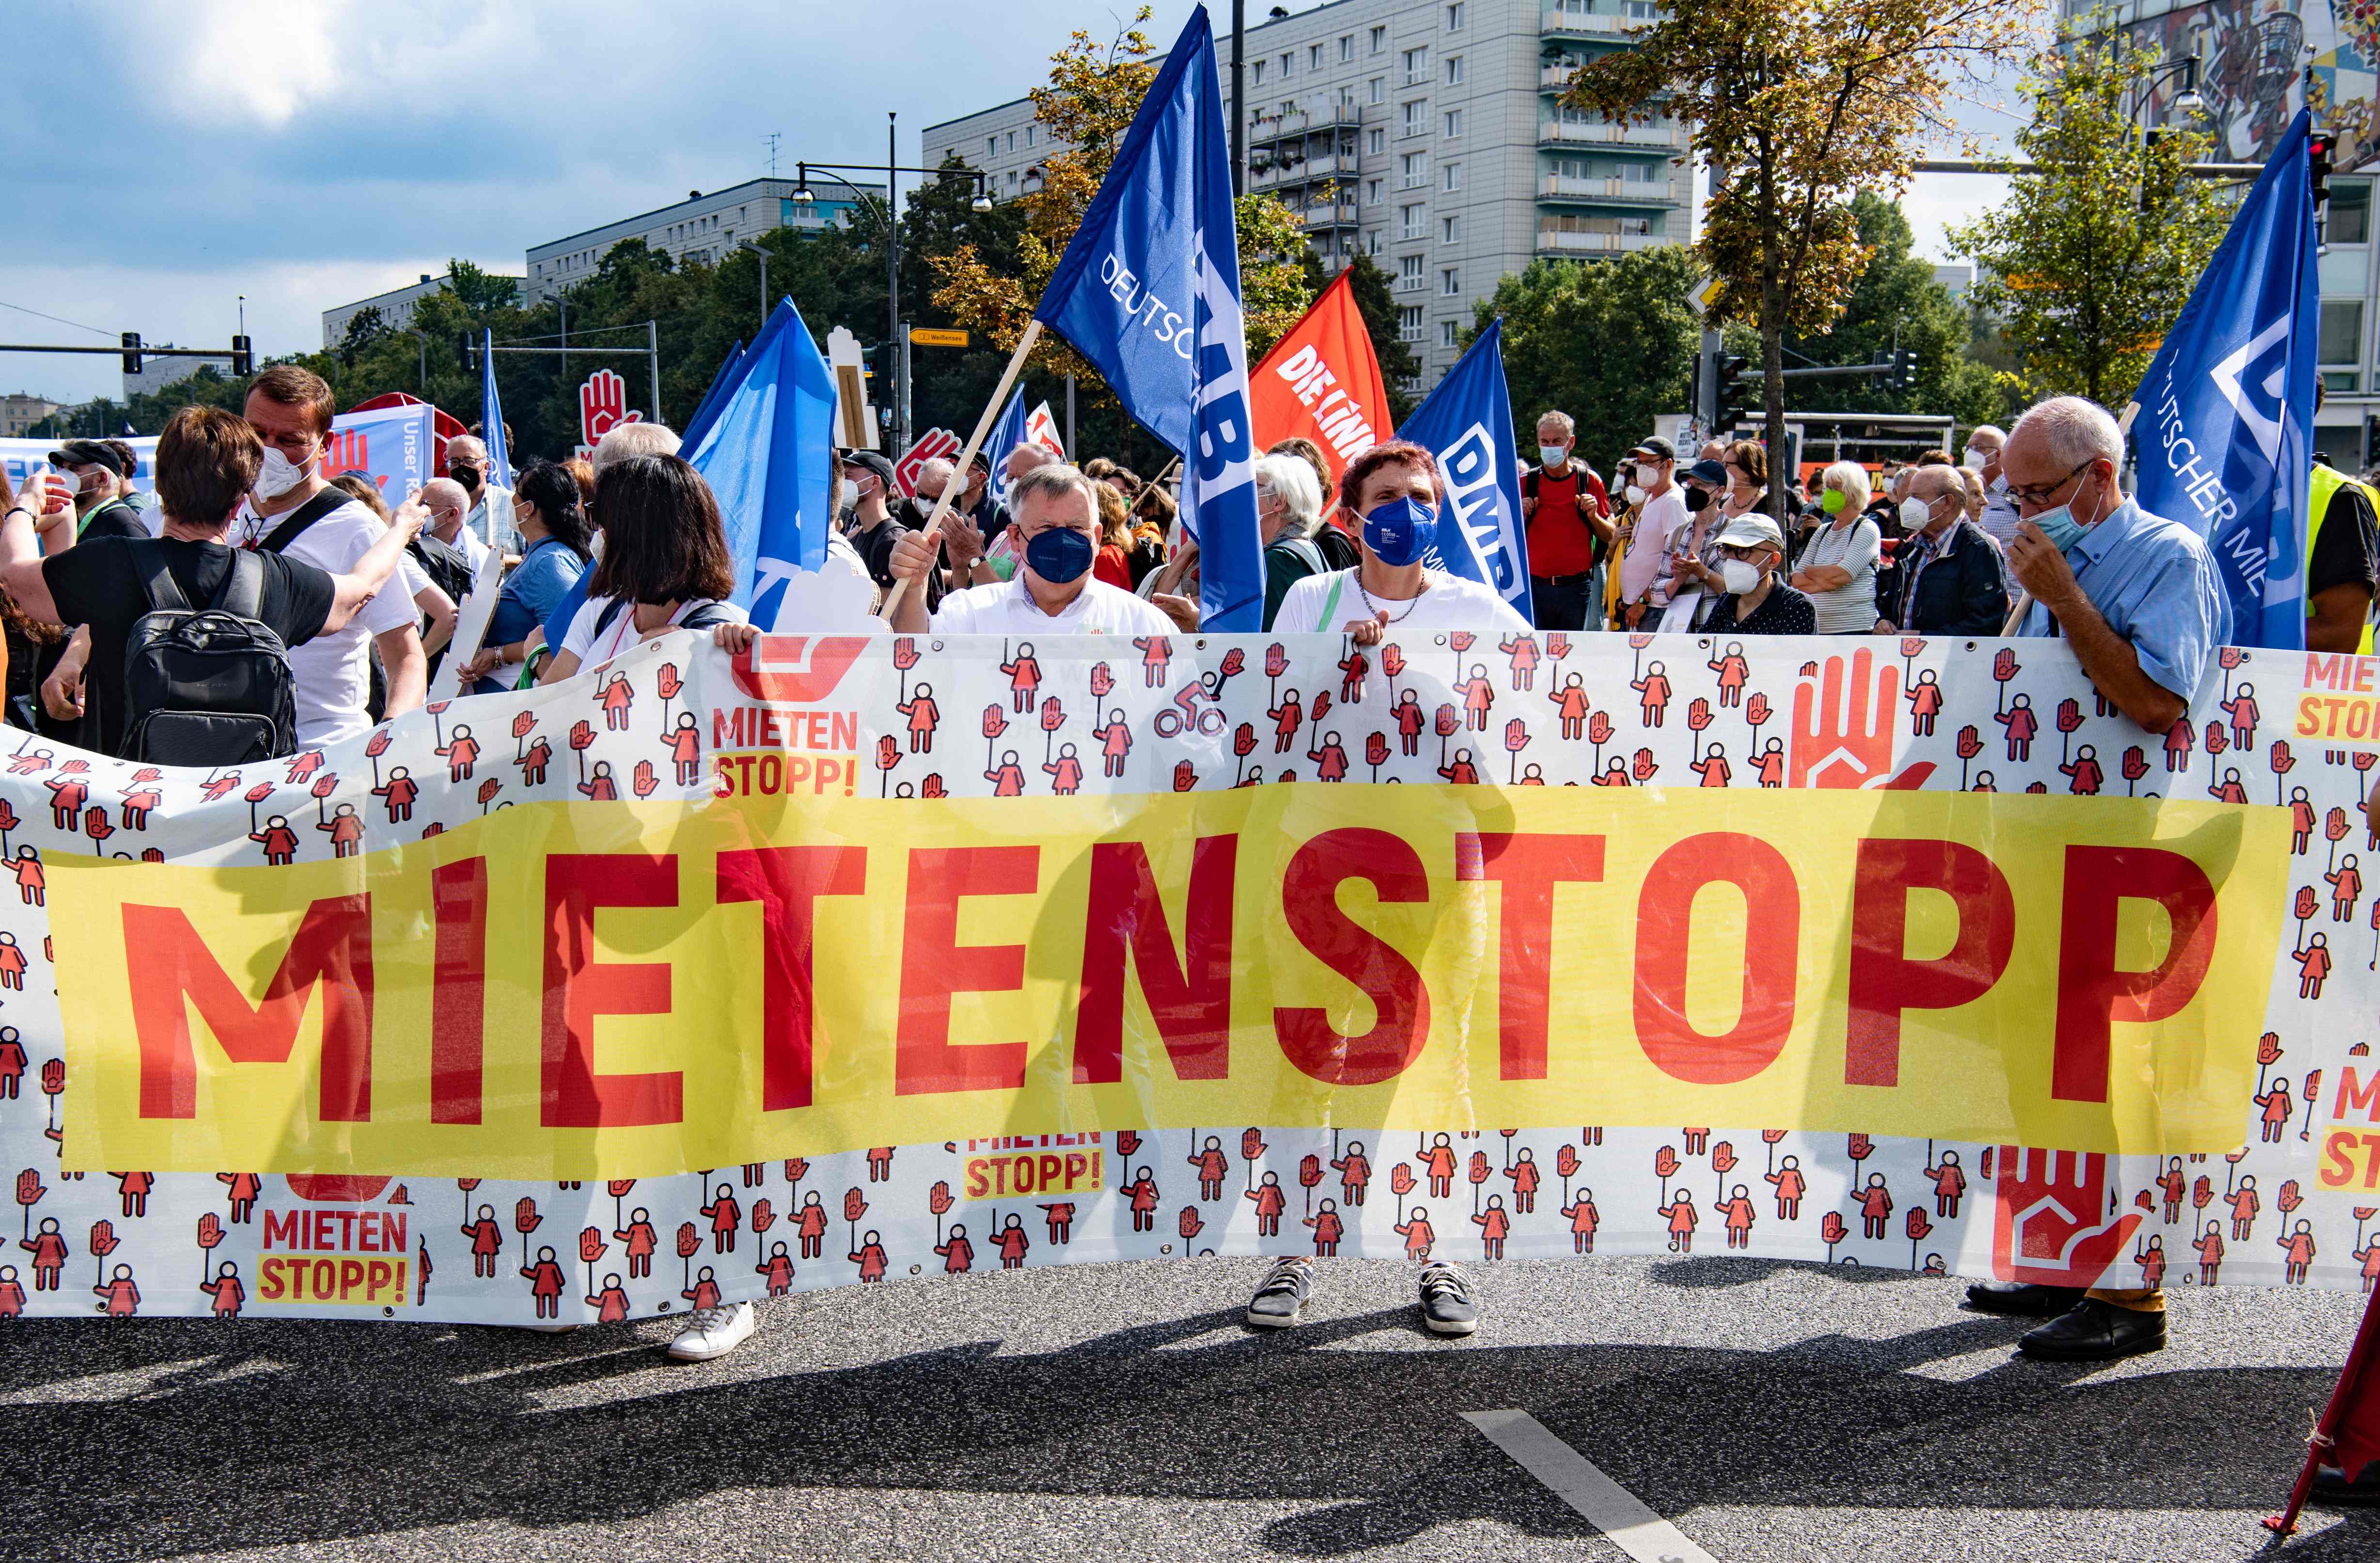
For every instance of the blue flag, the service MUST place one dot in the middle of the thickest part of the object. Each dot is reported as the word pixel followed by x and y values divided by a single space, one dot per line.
pixel 1467 424
pixel 1006 435
pixel 708 409
pixel 2222 436
pixel 769 455
pixel 492 415
pixel 1150 291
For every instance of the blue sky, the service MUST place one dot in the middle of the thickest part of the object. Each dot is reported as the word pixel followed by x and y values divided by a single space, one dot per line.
pixel 181 153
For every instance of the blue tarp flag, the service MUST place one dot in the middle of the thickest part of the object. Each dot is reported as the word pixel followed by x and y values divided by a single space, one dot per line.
pixel 492 415
pixel 708 409
pixel 2226 413
pixel 1467 424
pixel 769 455
pixel 1006 435
pixel 1150 291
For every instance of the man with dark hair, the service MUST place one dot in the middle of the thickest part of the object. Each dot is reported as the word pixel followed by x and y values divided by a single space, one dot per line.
pixel 208 461
pixel 101 471
pixel 102 509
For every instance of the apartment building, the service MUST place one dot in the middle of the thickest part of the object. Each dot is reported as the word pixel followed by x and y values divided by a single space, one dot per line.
pixel 701 227
pixel 1428 134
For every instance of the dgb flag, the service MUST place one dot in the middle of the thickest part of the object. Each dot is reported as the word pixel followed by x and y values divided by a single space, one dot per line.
pixel 1467 424
pixel 1150 291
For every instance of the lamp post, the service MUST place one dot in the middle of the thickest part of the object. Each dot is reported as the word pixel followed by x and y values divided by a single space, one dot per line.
pixel 762 251
pixel 801 197
pixel 2187 105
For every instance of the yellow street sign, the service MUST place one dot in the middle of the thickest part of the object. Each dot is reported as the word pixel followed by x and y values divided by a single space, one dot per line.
pixel 926 336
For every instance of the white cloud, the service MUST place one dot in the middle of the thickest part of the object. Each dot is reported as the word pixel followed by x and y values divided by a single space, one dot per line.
pixel 245 61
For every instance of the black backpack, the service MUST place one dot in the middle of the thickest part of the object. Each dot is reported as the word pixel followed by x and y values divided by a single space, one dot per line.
pixel 1338 550
pixel 445 564
pixel 208 686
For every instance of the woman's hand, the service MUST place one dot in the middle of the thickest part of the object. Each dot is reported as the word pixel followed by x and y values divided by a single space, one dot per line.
pixel 1367 632
pixel 484 664
pixel 1181 609
pixel 733 638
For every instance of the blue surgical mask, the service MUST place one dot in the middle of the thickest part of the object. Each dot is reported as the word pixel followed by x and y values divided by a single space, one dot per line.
pixel 1059 554
pixel 1401 531
pixel 2059 527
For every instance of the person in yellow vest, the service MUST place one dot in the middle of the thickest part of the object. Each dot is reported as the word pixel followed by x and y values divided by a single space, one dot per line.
pixel 2342 562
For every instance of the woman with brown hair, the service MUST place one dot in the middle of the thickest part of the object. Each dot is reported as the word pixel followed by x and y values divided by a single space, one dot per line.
pixel 1111 564
pixel 664 567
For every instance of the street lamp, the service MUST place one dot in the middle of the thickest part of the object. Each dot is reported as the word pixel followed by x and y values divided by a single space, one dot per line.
pixel 762 251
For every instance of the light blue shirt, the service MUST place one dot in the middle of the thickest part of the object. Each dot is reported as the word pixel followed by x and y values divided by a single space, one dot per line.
pixel 531 593
pixel 2154 583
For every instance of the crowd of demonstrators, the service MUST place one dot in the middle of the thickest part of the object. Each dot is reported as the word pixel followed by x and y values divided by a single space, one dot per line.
pixel 1054 519
pixel 1754 598
pixel 1657 510
pixel 664 567
pixel 1289 511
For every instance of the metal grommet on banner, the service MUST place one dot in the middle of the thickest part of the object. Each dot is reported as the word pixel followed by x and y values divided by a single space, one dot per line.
pixel 935 647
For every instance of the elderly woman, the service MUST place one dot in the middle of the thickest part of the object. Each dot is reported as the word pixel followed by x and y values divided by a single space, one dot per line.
pixel 1289 508
pixel 1837 569
pixel 1394 492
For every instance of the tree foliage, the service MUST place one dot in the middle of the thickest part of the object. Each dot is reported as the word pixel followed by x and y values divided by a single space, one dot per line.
pixel 1378 304
pixel 2094 251
pixel 1612 343
pixel 1896 304
pixel 1794 107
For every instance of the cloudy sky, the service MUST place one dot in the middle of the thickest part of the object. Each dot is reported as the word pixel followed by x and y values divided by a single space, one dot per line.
pixel 304 153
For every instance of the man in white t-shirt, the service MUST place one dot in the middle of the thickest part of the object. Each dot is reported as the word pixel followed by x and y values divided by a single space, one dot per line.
pixel 290 410
pixel 1056 519
pixel 1661 510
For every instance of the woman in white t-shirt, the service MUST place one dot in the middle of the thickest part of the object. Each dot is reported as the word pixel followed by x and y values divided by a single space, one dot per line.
pixel 664 567
pixel 1393 490
pixel 1837 569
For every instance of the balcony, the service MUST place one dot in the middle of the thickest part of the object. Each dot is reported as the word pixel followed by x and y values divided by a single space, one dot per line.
pixel 1624 192
pixel 1662 135
pixel 1329 166
pixel 1264 129
pixel 1562 241
pixel 1556 77
pixel 1571 24
pixel 1323 215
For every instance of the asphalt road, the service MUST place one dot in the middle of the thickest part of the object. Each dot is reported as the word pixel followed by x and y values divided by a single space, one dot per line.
pixel 1772 1411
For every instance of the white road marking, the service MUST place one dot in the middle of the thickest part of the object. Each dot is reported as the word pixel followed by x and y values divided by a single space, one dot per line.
pixel 1572 1477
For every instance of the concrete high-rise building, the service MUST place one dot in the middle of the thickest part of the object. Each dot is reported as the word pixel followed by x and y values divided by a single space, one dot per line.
pixel 1428 134
pixel 701 227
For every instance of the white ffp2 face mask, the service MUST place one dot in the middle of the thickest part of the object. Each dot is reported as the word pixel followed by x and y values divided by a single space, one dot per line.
pixel 1738 576
pixel 278 474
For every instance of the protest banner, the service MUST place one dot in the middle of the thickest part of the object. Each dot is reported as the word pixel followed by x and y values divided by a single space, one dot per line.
pixel 819 940
pixel 1322 380
pixel 392 445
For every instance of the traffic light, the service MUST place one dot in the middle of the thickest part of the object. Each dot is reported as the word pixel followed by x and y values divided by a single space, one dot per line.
pixel 2318 150
pixel 131 352
pixel 463 348
pixel 1904 370
pixel 1734 392
pixel 243 357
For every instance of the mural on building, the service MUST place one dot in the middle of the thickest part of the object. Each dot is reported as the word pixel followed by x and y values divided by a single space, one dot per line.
pixel 2257 53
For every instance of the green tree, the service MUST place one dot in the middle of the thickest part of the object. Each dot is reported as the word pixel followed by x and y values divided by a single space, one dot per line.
pixel 1612 343
pixel 1794 107
pixel 2098 243
pixel 1896 304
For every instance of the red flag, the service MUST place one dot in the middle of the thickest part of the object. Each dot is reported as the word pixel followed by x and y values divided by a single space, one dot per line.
pixel 2347 1432
pixel 1322 380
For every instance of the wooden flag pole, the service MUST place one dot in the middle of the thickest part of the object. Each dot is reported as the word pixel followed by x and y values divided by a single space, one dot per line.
pixel 967 458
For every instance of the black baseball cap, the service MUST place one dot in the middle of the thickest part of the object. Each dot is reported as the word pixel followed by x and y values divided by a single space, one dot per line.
pixel 875 462
pixel 1657 447
pixel 88 452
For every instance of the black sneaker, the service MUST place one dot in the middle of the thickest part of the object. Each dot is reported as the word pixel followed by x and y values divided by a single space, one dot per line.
pixel 1446 1303
pixel 1283 1296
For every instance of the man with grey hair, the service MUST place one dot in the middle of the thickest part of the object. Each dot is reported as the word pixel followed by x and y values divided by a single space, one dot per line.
pixel 2139 597
pixel 1985 443
pixel 1057 527
pixel 1567 513
pixel 638 439
pixel 1951 579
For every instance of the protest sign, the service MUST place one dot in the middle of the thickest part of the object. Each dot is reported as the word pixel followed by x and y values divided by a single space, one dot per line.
pixel 1322 382
pixel 819 934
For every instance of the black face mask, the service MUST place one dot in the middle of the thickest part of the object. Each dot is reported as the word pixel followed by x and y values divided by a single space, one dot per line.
pixel 1697 500
pixel 467 475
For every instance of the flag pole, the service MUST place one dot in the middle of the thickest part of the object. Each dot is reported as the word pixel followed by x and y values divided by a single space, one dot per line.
pixel 967 458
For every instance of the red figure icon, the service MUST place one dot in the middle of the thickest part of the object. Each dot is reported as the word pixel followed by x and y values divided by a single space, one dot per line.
pixel 1285 717
pixel 1523 1173
pixel 1270 1205
pixel 533 761
pixel 2370 1255
pixel 2173 1184
pixel 2346 885
pixel 2086 775
pixel 49 1251
pixel 460 753
pixel 685 749
pixel 12 967
pixel 2300 1248
pixel 2022 726
pixel 487 1242
pixel 1008 778
pixel 1142 1192
pixel 957 1254
pixel 1737 1213
pixel 1875 1208
pixel 2179 739
pixel 304 764
pixel 870 1258
pixel 67 795
pixel 1156 651
pixel 123 1299
pixel 30 882
pixel 1925 704
pixel 1417 1235
pixel 810 1227
pixel 280 842
pixel 1024 677
pixel 599 787
pixel 637 1239
pixel 1329 1228
pixel 1733 672
pixel 400 790
pixel 1411 721
pixel 1652 693
pixel 1713 767
pixel 725 1217
pixel 1462 772
pixel 2277 1107
pixel 227 1290
pixel 1478 697
pixel 1212 1168
pixel 12 1295
pixel 2302 822
pixel 1949 1185
pixel 12 1061
pixel 1354 1172
pixel 1682 1218
pixel 1115 742
pixel 2245 1204
pixel 778 1269
pixel 618 697
pixel 2150 1259
pixel 1065 772
pixel 214 791
pixel 133 1189
pixel 880 1163
pixel 2313 964
pixel 1060 1218
pixel 704 1292
pixel 244 1187
pixel 346 831
pixel 610 1305
pixel 1493 1225
pixel 2230 789
pixel 1523 651
pixel 1330 761
pixel 1790 1187
pixel 1569 699
pixel 2210 1254
pixel 1352 669
pixel 1438 1163
pixel 545 1282
pixel 1582 1222
pixel 923 716
pixel 1012 1243
pixel 1772 764
pixel 137 806
pixel 2243 714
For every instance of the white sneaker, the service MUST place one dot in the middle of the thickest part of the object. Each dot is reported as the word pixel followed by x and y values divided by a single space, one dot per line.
pixel 713 1332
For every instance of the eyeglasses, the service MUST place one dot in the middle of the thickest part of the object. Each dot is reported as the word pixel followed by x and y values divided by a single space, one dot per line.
pixel 2041 493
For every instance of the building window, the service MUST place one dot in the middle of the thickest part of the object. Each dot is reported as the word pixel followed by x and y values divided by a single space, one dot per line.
pixel 1454 123
pixel 1451 176
pixel 1380 89
pixel 1416 116
pixel 1289 62
pixel 992 146
pixel 1372 242
pixel 1454 70
pixel 1413 171
pixel 1314 57
pixel 1450 282
pixel 2342 331
pixel 1257 67
pixel 1449 229
pixel 1416 67
pixel 1372 192
pixel 1455 17
pixel 2351 211
pixel 1375 139
pixel 1347 49
pixel 1409 324
pixel 1450 334
pixel 1410 227
pixel 1380 38
pixel 1028 134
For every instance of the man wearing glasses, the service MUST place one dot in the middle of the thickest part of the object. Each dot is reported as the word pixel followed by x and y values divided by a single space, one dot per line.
pixel 2139 597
